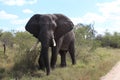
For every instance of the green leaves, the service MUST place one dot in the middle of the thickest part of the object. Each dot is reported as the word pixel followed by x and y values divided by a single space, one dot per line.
pixel 85 35
pixel 109 40
pixel 24 40
pixel 7 38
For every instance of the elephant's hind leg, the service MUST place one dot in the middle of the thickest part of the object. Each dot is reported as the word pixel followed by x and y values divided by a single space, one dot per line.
pixel 63 58
pixel 72 52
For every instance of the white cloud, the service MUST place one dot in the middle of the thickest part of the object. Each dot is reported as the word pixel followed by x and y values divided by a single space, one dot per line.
pixel 89 18
pixel 5 15
pixel 108 8
pixel 111 10
pixel 111 13
pixel 18 2
pixel 108 17
pixel 14 21
pixel 28 11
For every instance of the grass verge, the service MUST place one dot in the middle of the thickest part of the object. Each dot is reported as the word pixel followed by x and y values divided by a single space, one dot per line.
pixel 23 66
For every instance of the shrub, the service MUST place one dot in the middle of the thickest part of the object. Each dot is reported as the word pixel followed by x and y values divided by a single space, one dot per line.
pixel 109 40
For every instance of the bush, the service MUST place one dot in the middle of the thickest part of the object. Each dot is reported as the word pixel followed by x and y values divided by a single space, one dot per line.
pixel 109 40
pixel 25 63
pixel 24 40
pixel 85 41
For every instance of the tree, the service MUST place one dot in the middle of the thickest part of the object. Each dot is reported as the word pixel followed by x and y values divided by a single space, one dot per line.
pixel 109 40
pixel 85 40
pixel 24 40
pixel 7 38
pixel 1 32
pixel 84 34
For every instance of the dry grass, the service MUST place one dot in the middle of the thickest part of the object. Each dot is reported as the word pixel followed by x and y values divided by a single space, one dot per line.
pixel 23 66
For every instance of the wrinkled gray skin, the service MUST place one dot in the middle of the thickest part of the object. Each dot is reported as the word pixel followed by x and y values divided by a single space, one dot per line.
pixel 55 31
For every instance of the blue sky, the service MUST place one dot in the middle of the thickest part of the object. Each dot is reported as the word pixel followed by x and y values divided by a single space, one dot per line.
pixel 14 14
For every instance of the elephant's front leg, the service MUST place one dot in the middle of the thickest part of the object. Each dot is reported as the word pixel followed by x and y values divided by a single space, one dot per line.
pixel 44 55
pixel 41 62
pixel 54 57
pixel 55 51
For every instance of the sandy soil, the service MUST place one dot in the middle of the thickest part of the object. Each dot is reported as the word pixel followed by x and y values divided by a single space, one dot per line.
pixel 114 73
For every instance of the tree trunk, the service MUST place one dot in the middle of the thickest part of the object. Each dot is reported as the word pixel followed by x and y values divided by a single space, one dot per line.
pixel 4 47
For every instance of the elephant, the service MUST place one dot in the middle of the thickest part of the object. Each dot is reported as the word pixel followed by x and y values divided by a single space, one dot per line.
pixel 55 31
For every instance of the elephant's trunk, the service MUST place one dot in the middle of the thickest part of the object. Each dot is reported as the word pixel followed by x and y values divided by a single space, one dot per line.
pixel 54 43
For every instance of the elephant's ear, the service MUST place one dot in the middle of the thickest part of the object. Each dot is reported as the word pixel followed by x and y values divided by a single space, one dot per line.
pixel 33 26
pixel 64 25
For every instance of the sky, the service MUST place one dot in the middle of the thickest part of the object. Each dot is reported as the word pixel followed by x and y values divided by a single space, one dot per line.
pixel 104 14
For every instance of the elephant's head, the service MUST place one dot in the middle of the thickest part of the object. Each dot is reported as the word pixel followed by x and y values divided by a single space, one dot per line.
pixel 49 27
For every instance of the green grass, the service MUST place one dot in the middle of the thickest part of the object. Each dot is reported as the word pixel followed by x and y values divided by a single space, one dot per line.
pixel 90 66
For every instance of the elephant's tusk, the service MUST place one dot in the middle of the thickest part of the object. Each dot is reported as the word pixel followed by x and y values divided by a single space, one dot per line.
pixel 34 46
pixel 54 43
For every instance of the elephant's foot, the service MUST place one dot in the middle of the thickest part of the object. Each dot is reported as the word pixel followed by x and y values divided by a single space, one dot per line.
pixel 41 68
pixel 73 62
pixel 48 73
pixel 53 66
pixel 63 65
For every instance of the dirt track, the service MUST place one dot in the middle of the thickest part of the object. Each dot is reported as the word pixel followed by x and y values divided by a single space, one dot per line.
pixel 114 73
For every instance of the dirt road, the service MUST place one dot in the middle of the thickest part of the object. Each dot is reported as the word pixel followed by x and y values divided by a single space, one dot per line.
pixel 114 74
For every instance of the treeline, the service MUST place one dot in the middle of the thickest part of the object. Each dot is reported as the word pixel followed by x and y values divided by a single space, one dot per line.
pixel 109 40
pixel 85 37
pixel 19 40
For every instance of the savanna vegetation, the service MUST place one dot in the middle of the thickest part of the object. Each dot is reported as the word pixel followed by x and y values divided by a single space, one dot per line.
pixel 95 55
